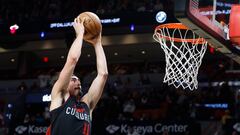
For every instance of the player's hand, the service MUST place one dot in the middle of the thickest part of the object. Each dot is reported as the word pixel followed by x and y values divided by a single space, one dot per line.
pixel 96 40
pixel 78 26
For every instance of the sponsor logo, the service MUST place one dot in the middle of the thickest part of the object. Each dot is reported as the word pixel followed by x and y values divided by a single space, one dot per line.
pixel 237 127
pixel 20 129
pixel 36 130
pixel 112 129
pixel 46 98
pixel 173 128
pixel 161 17
pixel 31 129
pixel 157 128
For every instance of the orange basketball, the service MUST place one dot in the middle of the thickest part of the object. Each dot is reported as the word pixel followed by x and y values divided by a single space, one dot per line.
pixel 92 25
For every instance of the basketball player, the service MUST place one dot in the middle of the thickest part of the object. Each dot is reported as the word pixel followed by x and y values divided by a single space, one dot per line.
pixel 71 111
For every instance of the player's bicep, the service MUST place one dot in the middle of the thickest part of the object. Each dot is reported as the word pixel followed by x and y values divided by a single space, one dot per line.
pixel 95 90
pixel 56 97
pixel 60 86
pixel 56 90
pixel 64 78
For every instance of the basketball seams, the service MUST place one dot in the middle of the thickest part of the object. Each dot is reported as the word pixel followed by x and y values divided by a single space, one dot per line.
pixel 88 30
pixel 92 24
pixel 95 25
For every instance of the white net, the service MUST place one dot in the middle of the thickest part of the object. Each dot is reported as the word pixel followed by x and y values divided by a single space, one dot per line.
pixel 184 51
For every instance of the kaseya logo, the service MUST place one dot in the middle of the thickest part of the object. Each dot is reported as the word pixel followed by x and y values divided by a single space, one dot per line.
pixel 237 127
pixel 30 129
pixel 150 128
pixel 20 129
pixel 112 129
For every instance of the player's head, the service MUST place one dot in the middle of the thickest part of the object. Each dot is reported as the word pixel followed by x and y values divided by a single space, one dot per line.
pixel 74 86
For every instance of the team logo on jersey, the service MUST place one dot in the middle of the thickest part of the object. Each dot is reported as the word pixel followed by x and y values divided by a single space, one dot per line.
pixel 78 113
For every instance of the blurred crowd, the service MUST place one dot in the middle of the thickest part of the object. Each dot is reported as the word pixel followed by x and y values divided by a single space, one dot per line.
pixel 47 10
pixel 132 93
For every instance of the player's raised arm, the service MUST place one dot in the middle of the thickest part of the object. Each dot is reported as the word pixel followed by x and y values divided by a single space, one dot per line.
pixel 60 87
pixel 97 86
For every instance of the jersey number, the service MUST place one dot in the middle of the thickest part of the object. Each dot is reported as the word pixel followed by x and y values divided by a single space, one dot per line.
pixel 86 129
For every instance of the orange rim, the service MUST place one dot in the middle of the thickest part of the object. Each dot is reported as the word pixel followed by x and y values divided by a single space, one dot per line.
pixel 181 27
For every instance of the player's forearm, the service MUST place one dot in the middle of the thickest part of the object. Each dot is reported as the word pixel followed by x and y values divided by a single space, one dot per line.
pixel 75 50
pixel 101 60
pixel 72 59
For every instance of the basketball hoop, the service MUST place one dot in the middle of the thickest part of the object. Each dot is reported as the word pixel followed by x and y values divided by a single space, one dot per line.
pixel 184 51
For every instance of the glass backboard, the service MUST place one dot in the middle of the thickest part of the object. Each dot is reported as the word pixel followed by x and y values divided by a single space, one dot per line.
pixel 209 19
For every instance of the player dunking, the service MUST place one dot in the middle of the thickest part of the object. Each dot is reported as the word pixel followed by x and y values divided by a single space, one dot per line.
pixel 71 111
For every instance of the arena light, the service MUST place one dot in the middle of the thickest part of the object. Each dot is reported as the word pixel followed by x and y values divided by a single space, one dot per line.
pixel 132 27
pixel 42 34
pixel 9 116
pixel 10 105
pixel 161 17
pixel 143 52
pixel 211 49
pixel 12 60
pixel 62 57
pixel 45 59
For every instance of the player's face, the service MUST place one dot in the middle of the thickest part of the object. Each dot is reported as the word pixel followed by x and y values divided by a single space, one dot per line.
pixel 74 86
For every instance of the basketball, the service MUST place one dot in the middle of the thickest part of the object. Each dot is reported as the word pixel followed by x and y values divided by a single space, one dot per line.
pixel 92 25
